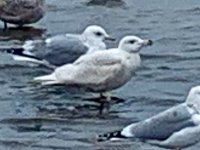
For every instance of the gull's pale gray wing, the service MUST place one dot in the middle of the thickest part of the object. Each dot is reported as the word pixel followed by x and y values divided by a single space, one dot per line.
pixel 163 125
pixel 183 138
pixel 91 69
pixel 63 49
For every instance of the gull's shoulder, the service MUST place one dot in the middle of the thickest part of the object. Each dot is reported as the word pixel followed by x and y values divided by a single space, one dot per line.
pixel 62 37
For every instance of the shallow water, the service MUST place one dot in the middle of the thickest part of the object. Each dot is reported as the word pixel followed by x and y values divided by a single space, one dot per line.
pixel 37 118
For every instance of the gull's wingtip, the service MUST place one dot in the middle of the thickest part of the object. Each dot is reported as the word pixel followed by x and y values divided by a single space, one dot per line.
pixel 47 79
pixel 113 136
pixel 50 77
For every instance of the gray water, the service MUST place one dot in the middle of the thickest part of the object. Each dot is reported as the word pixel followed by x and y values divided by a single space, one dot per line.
pixel 56 118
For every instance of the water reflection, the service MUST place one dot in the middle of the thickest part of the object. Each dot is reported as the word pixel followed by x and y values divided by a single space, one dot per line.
pixel 22 34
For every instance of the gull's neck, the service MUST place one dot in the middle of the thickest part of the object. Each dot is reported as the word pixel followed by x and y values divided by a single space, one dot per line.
pixel 132 60
pixel 129 51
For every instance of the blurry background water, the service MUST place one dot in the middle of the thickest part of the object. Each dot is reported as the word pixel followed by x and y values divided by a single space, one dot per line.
pixel 37 118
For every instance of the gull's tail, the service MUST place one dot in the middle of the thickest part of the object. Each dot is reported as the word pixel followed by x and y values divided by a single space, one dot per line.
pixel 47 79
pixel 113 136
pixel 22 54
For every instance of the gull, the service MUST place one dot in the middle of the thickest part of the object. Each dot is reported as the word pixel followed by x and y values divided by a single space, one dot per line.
pixel 21 12
pixel 175 128
pixel 101 71
pixel 62 49
pixel 108 3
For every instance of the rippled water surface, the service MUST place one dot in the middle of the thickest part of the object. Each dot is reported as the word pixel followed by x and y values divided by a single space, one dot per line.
pixel 57 118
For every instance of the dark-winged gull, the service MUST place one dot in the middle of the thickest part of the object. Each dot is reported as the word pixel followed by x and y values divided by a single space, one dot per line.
pixel 108 3
pixel 101 71
pixel 62 49
pixel 176 128
pixel 21 12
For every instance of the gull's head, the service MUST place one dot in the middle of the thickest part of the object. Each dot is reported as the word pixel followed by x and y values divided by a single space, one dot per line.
pixel 133 44
pixel 96 33
pixel 193 98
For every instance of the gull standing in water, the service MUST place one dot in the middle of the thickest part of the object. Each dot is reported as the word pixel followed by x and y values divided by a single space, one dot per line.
pixel 21 12
pixel 62 49
pixel 175 128
pixel 101 71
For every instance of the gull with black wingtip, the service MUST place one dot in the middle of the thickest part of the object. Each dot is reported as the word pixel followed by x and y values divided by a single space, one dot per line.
pixel 61 49
pixel 175 128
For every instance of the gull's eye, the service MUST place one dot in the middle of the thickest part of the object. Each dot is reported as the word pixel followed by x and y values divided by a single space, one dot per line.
pixel 98 33
pixel 132 41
